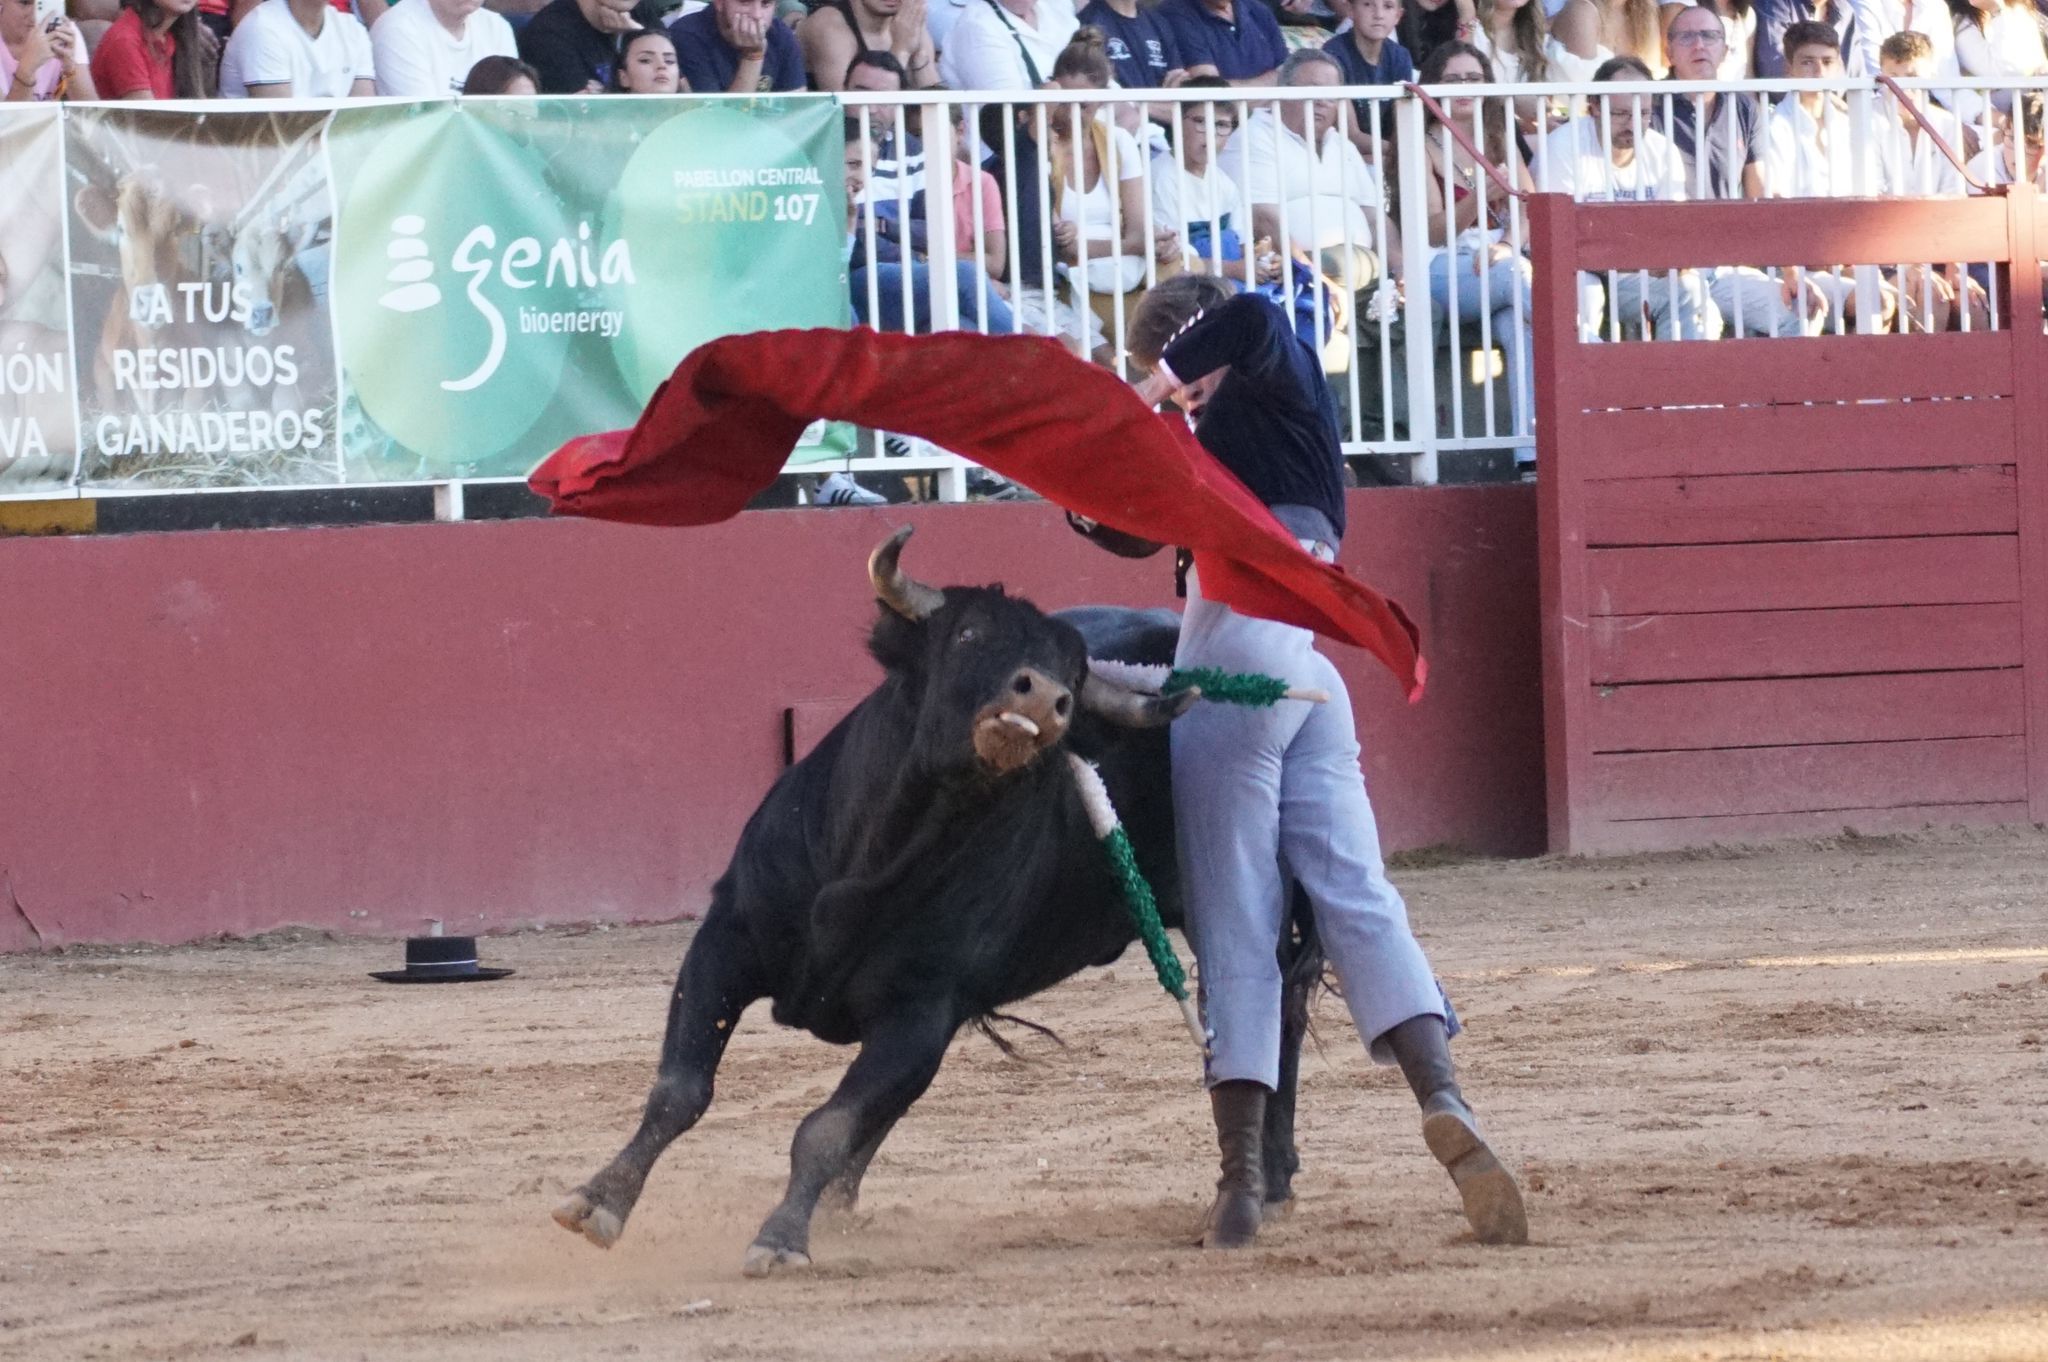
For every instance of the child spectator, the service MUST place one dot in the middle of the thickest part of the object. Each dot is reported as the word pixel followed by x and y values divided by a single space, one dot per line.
pixel 156 49
pixel 2021 151
pixel 647 65
pixel 1194 198
pixel 1368 53
pixel 40 61
pixel 424 49
pixel 1142 52
pixel 297 49
pixel 1810 152
pixel 574 44
pixel 1006 44
pixel 502 76
pixel 844 29
pixel 1774 17
pixel 1238 40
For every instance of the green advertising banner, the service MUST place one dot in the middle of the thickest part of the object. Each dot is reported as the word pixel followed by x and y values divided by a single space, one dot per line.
pixel 510 274
pixel 418 292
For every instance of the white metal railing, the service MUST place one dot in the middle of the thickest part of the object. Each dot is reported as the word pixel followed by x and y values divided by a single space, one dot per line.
pixel 1418 371
pixel 1397 404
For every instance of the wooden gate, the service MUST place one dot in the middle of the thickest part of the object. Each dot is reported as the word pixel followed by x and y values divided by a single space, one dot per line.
pixel 1791 586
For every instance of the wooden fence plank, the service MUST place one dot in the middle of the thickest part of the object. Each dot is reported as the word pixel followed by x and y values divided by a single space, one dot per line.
pixel 1800 369
pixel 1652 236
pixel 1661 834
pixel 2031 362
pixel 1653 443
pixel 1627 649
pixel 1788 711
pixel 1943 570
pixel 1765 780
pixel 1741 509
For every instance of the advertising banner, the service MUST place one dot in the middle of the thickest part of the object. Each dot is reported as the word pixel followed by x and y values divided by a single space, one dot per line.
pixel 389 292
pixel 199 264
pixel 38 445
pixel 511 274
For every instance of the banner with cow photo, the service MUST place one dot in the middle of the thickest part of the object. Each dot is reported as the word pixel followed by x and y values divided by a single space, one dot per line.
pixel 199 250
pixel 361 293
pixel 512 273
pixel 38 430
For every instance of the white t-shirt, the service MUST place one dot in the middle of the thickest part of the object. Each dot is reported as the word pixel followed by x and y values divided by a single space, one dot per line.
pixel 270 48
pixel 419 59
pixel 1572 160
pixel 1327 191
pixel 1913 167
pixel 1181 197
pixel 982 51
pixel 1795 164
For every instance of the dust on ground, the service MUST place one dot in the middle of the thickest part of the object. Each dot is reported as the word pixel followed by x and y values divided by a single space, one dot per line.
pixel 1783 1105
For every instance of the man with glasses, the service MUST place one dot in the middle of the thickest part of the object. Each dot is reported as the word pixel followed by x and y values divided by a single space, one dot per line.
pixel 1730 127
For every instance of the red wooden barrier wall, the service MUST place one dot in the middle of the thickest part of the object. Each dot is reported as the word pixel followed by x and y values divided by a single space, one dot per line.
pixel 1791 585
pixel 547 721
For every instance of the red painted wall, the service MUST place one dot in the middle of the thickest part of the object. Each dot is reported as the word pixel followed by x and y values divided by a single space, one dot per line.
pixel 509 723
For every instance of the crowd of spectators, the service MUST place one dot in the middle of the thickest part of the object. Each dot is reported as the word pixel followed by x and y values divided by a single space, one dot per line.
pixel 1062 213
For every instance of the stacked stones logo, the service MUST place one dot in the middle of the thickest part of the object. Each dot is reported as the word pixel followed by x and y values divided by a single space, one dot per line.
pixel 464 283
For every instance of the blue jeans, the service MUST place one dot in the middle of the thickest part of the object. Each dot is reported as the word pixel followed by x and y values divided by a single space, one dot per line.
pixel 889 286
pixel 1504 281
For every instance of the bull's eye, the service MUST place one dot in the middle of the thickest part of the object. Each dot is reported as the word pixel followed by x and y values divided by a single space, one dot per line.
pixel 966 635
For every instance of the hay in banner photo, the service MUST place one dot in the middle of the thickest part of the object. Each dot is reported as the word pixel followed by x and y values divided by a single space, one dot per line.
pixel 199 252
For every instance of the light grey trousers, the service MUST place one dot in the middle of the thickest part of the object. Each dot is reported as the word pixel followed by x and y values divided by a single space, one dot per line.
pixel 1263 797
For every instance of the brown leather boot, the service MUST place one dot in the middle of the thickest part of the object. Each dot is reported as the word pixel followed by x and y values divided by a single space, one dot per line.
pixel 1239 1106
pixel 1493 1204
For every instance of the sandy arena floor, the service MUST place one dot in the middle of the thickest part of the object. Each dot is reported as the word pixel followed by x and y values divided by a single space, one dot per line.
pixel 1785 1105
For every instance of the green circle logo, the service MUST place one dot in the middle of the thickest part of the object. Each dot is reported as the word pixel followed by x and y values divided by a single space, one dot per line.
pixel 730 220
pixel 459 284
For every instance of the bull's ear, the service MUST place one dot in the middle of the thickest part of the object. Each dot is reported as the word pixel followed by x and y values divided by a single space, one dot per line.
pixel 95 209
pixel 897 643
pixel 1133 709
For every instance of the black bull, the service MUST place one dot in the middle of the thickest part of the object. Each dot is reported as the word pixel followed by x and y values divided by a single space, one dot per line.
pixel 927 864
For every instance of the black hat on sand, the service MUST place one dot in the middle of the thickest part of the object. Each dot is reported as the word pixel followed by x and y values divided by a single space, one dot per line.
pixel 439 960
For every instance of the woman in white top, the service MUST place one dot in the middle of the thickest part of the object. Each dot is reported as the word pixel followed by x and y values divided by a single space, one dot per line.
pixel 1515 38
pixel 1098 196
pixel 1995 39
pixel 1473 267
pixel 1005 44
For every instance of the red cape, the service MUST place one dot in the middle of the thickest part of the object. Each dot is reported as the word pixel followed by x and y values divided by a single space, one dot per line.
pixel 719 431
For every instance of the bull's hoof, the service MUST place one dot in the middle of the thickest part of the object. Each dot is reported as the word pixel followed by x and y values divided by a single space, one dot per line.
pixel 1493 1204
pixel 764 1260
pixel 580 1215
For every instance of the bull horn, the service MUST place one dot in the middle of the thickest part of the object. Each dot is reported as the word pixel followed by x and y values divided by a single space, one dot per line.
pixel 1132 708
pixel 904 594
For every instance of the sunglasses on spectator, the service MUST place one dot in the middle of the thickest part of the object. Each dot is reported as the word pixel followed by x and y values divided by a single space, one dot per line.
pixel 1461 80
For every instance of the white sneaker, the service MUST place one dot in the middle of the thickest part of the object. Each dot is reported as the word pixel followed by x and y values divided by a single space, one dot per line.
pixel 841 490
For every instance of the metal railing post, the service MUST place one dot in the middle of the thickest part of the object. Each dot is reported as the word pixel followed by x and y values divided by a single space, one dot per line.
pixel 1418 317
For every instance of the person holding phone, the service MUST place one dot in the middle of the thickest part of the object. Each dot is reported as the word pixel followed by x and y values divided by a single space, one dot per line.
pixel 42 56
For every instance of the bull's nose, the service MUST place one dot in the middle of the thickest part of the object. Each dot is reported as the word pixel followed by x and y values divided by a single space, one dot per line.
pixel 1037 691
